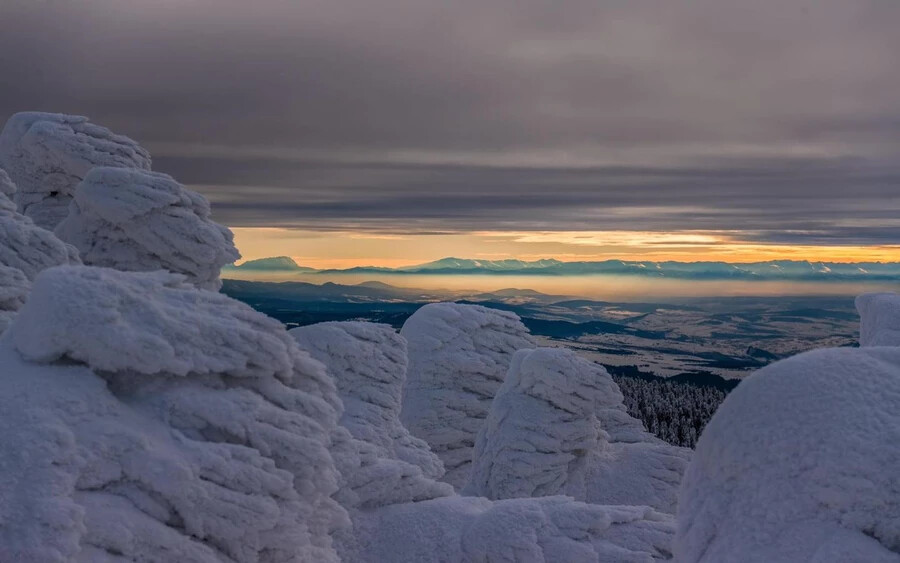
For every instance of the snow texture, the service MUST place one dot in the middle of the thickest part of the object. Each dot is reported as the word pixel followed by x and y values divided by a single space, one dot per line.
pixel 533 530
pixel 25 250
pixel 879 319
pixel 368 362
pixel 800 464
pixel 558 426
pixel 166 423
pixel 48 154
pixel 379 462
pixel 458 357
pixel 136 220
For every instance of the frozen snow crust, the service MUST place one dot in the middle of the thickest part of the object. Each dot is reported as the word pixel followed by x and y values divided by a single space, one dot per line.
pixel 800 463
pixel 137 220
pixel 164 423
pixel 458 357
pixel 48 154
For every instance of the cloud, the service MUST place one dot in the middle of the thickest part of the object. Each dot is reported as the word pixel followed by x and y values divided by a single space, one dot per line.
pixel 777 119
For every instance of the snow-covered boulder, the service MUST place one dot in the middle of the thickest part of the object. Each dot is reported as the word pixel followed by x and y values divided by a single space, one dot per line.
pixel 534 530
pixel 546 434
pixel 145 419
pixel 136 220
pixel 458 357
pixel 48 154
pixel 368 362
pixel 879 319
pixel 800 463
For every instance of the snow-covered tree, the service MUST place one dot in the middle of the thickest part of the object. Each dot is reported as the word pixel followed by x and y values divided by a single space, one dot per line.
pixel 368 362
pixel 48 154
pixel 144 419
pixel 675 412
pixel 136 220
pixel 558 426
pixel 458 357
pixel 800 464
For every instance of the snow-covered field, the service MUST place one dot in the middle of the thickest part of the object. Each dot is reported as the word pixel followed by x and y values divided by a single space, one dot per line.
pixel 147 417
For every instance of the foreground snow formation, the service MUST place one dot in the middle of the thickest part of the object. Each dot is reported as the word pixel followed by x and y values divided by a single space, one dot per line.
pixel 879 319
pixel 533 530
pixel 48 154
pixel 458 357
pixel 136 220
pixel 25 250
pixel 144 419
pixel 558 426
pixel 800 464
pixel 368 362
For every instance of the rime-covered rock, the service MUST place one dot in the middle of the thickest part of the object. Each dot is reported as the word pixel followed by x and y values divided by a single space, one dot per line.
pixel 145 419
pixel 136 220
pixel 541 530
pixel 558 426
pixel 800 464
pixel 458 357
pixel 879 319
pixel 48 154
pixel 368 362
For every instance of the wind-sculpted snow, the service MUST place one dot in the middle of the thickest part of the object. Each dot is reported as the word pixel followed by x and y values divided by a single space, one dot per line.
pixel 800 464
pixel 458 357
pixel 14 288
pixel 48 154
pixel 380 463
pixel 879 319
pixel 558 426
pixel 7 192
pixel 194 430
pixel 25 250
pixel 533 530
pixel 368 362
pixel 136 220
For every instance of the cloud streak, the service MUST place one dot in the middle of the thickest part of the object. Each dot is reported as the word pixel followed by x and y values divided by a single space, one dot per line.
pixel 776 120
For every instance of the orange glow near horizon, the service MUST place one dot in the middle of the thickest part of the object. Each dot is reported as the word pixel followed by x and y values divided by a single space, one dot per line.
pixel 347 249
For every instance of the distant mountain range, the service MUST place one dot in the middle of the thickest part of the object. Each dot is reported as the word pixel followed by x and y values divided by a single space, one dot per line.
pixel 773 270
pixel 274 264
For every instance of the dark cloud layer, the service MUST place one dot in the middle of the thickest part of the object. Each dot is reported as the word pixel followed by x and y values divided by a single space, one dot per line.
pixel 778 119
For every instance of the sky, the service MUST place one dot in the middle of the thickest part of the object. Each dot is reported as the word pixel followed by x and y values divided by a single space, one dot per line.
pixel 391 132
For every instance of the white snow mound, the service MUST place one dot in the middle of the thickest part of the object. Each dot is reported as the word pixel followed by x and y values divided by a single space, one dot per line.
pixel 546 434
pixel 879 319
pixel 368 362
pixel 800 464
pixel 47 155
pixel 458 357
pixel 136 220
pixel 195 430
pixel 534 530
